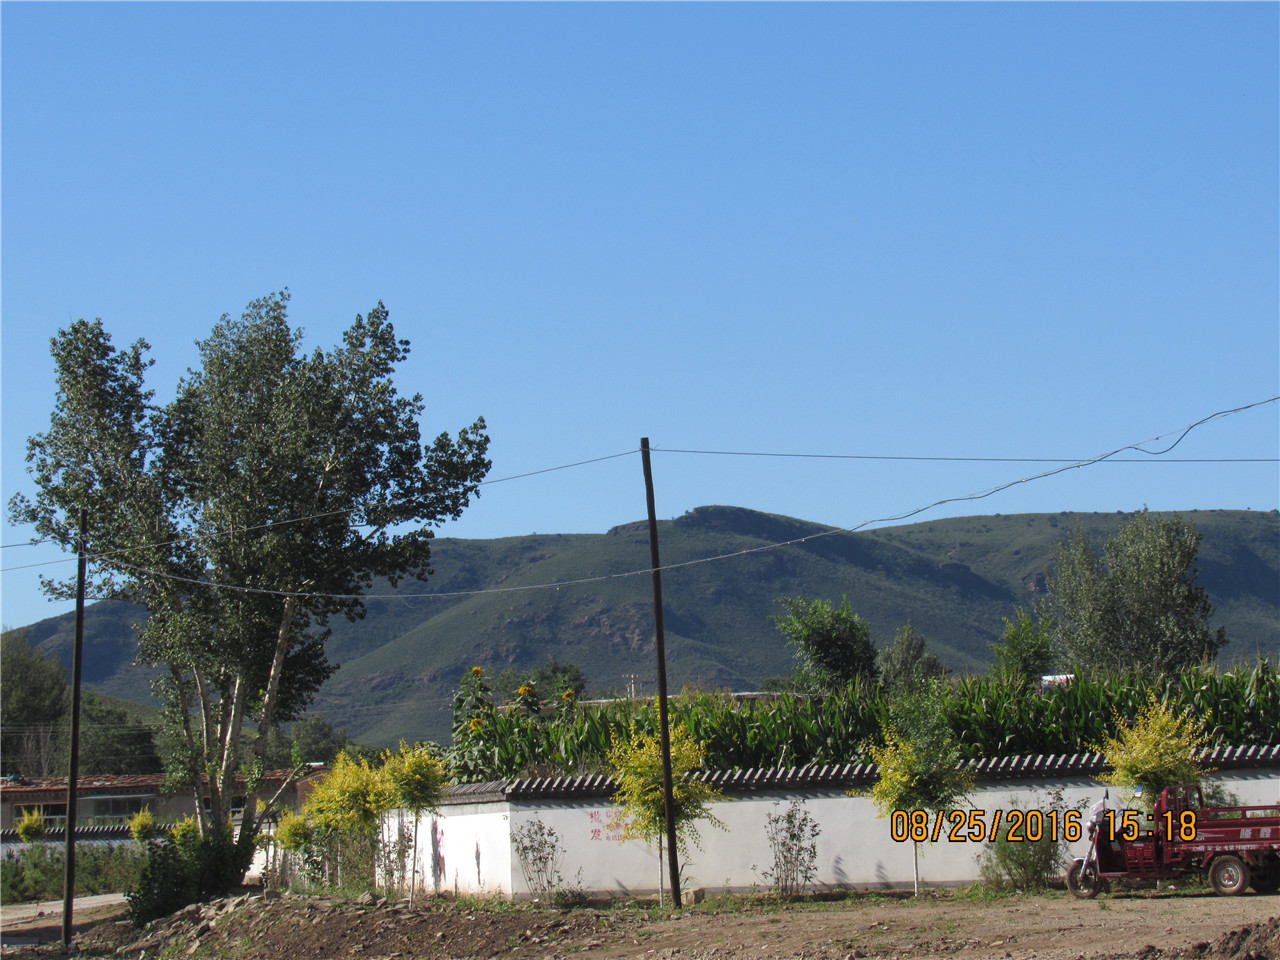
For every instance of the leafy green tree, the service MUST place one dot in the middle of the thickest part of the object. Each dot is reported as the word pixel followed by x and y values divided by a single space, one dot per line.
pixel 36 721
pixel 906 661
pixel 345 810
pixel 114 741
pixel 351 798
pixel 310 739
pixel 33 705
pixel 277 751
pixel 1025 648
pixel 919 766
pixel 832 644
pixel 269 496
pixel 1135 603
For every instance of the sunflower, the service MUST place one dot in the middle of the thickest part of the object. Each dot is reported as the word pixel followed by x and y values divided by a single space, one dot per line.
pixel 477 671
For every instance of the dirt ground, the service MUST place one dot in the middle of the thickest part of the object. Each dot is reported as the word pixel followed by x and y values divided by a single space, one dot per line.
pixel 1170 925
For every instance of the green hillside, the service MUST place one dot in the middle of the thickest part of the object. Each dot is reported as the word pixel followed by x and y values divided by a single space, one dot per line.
pixel 954 579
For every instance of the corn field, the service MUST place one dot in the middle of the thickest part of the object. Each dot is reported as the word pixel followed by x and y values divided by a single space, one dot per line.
pixel 989 715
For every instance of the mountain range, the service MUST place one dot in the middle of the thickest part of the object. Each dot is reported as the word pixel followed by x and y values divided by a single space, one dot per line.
pixel 489 604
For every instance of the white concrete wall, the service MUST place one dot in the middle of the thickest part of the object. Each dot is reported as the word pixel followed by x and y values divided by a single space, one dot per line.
pixel 595 856
pixel 466 848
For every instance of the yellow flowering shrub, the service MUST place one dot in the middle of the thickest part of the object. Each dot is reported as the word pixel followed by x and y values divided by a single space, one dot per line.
pixel 1156 751
pixel 637 767
pixel 351 798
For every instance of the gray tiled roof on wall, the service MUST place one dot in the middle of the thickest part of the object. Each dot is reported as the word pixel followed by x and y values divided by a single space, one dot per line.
pixel 59 834
pixel 841 776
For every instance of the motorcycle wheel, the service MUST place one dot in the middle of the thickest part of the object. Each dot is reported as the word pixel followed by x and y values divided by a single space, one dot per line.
pixel 1084 883
pixel 1229 876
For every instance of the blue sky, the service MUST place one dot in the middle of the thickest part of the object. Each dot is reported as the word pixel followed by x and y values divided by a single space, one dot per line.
pixel 971 230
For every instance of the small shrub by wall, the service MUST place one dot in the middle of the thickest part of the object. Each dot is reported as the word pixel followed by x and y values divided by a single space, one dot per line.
pixel 35 872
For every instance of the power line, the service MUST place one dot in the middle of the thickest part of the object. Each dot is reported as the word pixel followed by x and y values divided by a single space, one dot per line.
pixel 648 571
pixel 275 524
pixel 874 456
pixel 567 466
pixel 1069 462
pixel 1063 460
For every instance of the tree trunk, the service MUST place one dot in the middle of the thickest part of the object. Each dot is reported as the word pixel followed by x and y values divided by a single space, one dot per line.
pixel 209 738
pixel 660 888
pixel 915 865
pixel 229 748
pixel 249 816
pixel 413 871
pixel 277 668
pixel 189 740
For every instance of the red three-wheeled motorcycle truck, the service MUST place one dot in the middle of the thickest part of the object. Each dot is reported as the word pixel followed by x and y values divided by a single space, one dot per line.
pixel 1238 847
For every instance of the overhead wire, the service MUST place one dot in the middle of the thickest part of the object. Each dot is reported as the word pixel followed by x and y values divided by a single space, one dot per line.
pixel 1068 461
pixel 558 584
pixel 874 456
pixel 275 524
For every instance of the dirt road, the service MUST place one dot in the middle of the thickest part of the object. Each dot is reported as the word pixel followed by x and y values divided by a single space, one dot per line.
pixel 940 926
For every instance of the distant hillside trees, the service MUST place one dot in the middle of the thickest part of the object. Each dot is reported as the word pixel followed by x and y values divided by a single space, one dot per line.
pixel 264 499
pixel 35 721
pixel 833 649
pixel 1136 602
pixel 34 703
pixel 311 739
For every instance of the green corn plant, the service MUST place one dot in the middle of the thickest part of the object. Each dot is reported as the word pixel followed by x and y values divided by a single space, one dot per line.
pixel 988 715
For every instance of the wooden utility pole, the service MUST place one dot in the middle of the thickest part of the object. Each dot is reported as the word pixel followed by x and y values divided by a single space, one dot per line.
pixel 73 768
pixel 673 863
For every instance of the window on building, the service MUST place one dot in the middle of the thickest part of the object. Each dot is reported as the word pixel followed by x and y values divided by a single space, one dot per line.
pixel 53 814
pixel 237 805
pixel 119 808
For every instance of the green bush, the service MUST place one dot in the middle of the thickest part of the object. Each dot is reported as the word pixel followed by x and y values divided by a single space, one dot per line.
pixel 166 885
pixel 188 869
pixel 143 826
pixel 35 873
pixel 1025 865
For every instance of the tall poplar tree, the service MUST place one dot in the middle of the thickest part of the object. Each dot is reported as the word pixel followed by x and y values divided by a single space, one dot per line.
pixel 1134 603
pixel 267 497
